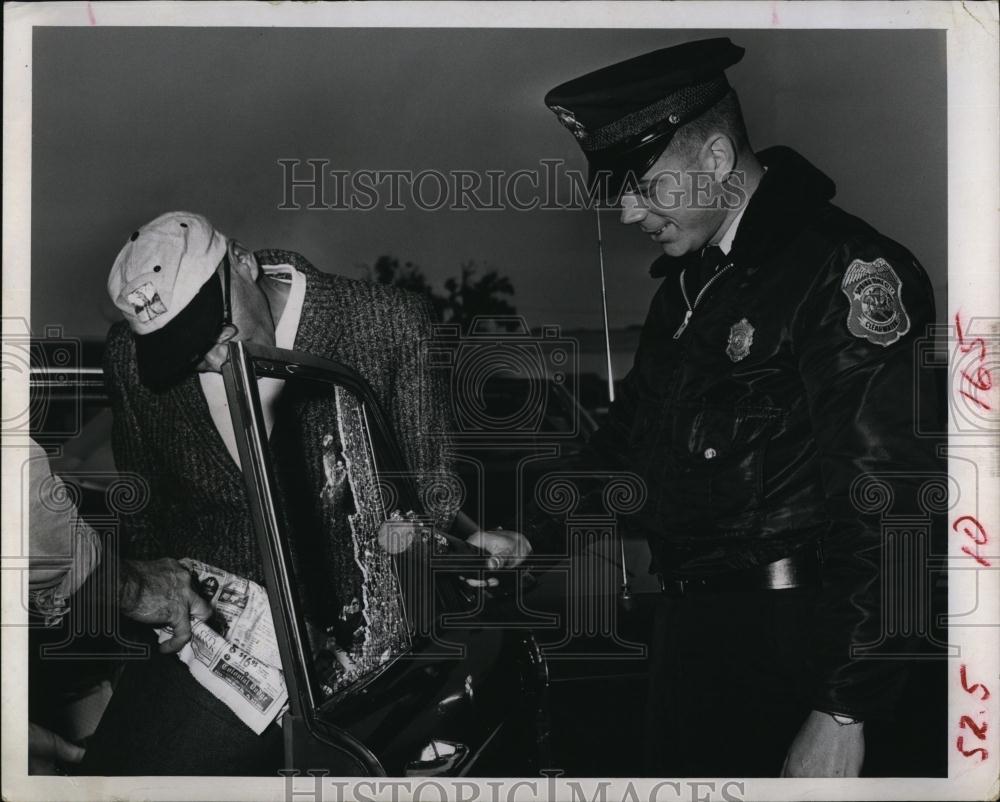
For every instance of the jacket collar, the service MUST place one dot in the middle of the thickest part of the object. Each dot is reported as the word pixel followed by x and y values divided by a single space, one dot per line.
pixel 789 194
pixel 319 331
pixel 315 328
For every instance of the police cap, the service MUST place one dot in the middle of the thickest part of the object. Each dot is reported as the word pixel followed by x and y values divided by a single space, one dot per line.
pixel 623 116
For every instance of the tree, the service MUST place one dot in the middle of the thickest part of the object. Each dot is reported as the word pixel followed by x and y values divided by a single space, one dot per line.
pixel 467 297
pixel 408 276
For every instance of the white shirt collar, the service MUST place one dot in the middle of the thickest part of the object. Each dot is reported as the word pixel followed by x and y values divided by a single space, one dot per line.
pixel 726 243
pixel 288 324
pixel 269 389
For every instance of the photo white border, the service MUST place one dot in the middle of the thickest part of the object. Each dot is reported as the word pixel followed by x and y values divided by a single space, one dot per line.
pixel 973 292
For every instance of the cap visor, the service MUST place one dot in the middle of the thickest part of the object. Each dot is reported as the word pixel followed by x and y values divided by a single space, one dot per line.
pixel 611 174
pixel 165 356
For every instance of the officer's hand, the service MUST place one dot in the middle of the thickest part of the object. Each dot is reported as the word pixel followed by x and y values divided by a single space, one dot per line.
pixel 162 593
pixel 507 549
pixel 48 751
pixel 824 748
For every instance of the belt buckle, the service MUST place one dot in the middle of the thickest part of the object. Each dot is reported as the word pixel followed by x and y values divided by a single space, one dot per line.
pixel 682 587
pixel 673 587
pixel 782 574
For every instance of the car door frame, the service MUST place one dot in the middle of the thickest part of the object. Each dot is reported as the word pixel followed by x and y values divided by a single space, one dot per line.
pixel 246 363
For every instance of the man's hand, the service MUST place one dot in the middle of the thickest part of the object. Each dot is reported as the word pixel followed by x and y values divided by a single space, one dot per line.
pixel 824 748
pixel 48 752
pixel 161 593
pixel 507 549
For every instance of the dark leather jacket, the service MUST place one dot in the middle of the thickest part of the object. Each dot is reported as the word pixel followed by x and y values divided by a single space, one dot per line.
pixel 795 378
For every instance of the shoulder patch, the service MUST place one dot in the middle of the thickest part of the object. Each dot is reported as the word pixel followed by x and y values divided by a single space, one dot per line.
pixel 875 293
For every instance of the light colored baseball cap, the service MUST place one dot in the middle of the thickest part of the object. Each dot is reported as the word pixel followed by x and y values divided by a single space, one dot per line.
pixel 162 283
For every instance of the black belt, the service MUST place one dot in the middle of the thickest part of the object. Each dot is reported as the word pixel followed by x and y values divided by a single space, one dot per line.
pixel 797 571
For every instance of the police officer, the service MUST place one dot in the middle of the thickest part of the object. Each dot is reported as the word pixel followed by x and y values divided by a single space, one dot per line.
pixel 774 377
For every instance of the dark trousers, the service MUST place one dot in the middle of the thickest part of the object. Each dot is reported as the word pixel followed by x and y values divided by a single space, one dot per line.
pixel 160 721
pixel 728 686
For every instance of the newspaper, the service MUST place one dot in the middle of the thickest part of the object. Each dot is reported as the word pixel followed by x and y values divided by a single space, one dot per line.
pixel 234 654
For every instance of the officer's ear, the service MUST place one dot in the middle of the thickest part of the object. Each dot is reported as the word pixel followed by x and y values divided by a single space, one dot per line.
pixel 718 156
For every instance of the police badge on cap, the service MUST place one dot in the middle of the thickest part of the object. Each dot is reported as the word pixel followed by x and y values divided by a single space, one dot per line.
pixel 876 295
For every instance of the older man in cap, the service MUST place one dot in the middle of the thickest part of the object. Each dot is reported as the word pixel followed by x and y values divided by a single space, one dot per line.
pixel 185 291
pixel 775 375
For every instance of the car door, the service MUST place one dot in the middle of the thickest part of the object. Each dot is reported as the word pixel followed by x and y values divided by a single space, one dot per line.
pixel 389 667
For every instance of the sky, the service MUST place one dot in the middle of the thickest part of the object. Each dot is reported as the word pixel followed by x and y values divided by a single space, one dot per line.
pixel 132 122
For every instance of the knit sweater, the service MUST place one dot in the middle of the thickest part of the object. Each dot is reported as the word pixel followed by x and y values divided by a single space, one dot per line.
pixel 197 504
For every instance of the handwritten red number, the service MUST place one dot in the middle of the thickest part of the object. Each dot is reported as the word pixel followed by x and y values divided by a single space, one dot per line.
pixel 966 347
pixel 979 730
pixel 974 687
pixel 977 557
pixel 977 401
pixel 980 537
pixel 960 743
pixel 982 379
pixel 977 535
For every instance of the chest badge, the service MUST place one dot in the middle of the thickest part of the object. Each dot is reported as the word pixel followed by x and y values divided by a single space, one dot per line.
pixel 876 296
pixel 740 340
